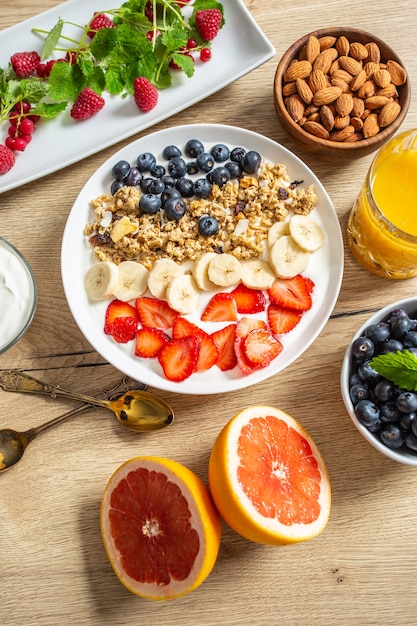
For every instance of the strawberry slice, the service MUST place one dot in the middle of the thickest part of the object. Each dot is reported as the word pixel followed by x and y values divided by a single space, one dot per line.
pixel 149 341
pixel 261 348
pixel 154 313
pixel 221 308
pixel 209 352
pixel 178 357
pixel 124 329
pixel 291 293
pixel 309 284
pixel 245 366
pixel 117 309
pixel 281 320
pixel 224 340
pixel 248 300
pixel 246 324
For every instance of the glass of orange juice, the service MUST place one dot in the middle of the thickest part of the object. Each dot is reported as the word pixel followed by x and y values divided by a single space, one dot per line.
pixel 382 226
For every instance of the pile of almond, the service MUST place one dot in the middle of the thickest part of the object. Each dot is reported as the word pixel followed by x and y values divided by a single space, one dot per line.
pixel 342 91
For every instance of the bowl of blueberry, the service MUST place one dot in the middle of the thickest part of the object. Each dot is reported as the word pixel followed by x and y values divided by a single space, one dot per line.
pixel 379 380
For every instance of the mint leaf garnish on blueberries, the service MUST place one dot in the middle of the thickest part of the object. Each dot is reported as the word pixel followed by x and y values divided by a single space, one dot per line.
pixel 398 367
pixel 148 39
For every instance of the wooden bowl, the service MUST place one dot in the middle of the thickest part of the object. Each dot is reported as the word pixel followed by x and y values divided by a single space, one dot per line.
pixel 326 149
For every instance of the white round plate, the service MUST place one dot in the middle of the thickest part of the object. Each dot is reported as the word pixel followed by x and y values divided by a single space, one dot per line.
pixel 325 267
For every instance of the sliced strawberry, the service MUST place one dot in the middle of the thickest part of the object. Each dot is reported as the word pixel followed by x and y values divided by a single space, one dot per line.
pixel 178 358
pixel 309 284
pixel 291 293
pixel 248 300
pixel 124 329
pixel 117 309
pixel 154 313
pixel 209 353
pixel 281 320
pixel 224 340
pixel 261 348
pixel 149 341
pixel 245 366
pixel 246 324
pixel 221 308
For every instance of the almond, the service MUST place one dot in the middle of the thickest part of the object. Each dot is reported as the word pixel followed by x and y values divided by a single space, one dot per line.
pixel 312 49
pixel 326 95
pixel 304 90
pixel 344 104
pixel 390 91
pixel 350 65
pixel 311 109
pixel 342 46
pixel 371 126
pixel 370 68
pixel 344 86
pixel 327 117
pixel 358 51
pixel 389 113
pixel 314 117
pixel 382 78
pixel 358 81
pixel 316 129
pixel 357 123
pixel 295 107
pixel 317 80
pixel 358 107
pixel 398 73
pixel 289 88
pixel 342 135
pixel 367 90
pixel 376 102
pixel 374 54
pixel 342 75
pixel 354 137
pixel 326 42
pixel 299 69
pixel 325 59
pixel 341 122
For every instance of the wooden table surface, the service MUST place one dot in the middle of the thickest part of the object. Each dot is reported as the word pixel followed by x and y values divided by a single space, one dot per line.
pixel 362 568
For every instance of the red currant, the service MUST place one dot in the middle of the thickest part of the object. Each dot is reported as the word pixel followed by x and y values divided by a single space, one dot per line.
pixel 26 126
pixel 42 70
pixel 191 43
pixel 205 55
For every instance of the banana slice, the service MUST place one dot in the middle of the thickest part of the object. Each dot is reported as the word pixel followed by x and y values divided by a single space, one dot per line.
pixel 256 274
pixel 306 233
pixel 200 272
pixel 276 231
pixel 224 270
pixel 101 279
pixel 133 281
pixel 183 294
pixel 287 258
pixel 160 276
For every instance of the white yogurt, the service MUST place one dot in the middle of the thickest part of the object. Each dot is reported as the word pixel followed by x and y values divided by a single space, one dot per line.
pixel 18 295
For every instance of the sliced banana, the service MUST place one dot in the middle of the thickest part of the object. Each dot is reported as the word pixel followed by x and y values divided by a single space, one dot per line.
pixel 101 279
pixel 160 276
pixel 200 272
pixel 287 258
pixel 133 281
pixel 306 233
pixel 183 294
pixel 225 270
pixel 276 231
pixel 257 274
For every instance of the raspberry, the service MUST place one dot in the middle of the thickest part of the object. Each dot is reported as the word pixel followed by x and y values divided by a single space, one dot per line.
pixel 87 104
pixel 145 94
pixel 7 159
pixel 208 22
pixel 25 63
pixel 98 22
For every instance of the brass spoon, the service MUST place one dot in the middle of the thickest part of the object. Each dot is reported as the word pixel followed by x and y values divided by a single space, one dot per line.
pixel 155 413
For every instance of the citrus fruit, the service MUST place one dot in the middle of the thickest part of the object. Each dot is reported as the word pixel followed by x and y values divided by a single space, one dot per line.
pixel 268 479
pixel 160 528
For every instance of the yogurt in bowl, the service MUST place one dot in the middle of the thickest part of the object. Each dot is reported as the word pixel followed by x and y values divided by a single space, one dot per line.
pixel 18 295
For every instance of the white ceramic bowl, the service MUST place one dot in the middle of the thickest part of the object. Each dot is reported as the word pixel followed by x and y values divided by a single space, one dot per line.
pixel 18 295
pixel 403 454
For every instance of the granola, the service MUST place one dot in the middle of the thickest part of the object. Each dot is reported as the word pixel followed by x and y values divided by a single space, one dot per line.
pixel 244 209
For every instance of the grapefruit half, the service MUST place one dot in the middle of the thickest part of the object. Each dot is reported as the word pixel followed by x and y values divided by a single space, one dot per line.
pixel 160 528
pixel 268 478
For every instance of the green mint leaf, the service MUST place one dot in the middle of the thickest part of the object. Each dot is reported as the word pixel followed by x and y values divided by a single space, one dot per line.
pixel 103 43
pixel 33 90
pixel 115 79
pixel 63 82
pixel 398 367
pixel 52 39
pixel 185 63
pixel 174 39
pixel 85 63
pixel 49 110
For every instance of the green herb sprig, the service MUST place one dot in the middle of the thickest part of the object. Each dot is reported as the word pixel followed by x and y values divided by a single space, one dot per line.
pixel 398 367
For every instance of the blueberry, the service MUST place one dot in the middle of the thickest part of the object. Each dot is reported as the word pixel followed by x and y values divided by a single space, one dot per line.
pixel 192 168
pixel 358 392
pixel 174 208
pixel 392 345
pixel 363 348
pixel 150 203
pixel 410 339
pixel 205 162
pixel 201 188
pixel 354 379
pixel 234 169
pixel 368 374
pixel 407 420
pixel 158 171
pixel 384 391
pixel 169 181
pixel 177 167
pixel 134 177
pixel 145 162
pixel 115 186
pixel 168 193
pixel 413 422
pixel 411 441
pixel 193 148
pixel 169 152
pixel 208 225
pixel 251 162
pixel 406 401
pixel 144 184
pixel 185 186
pixel 378 332
pixel 368 414
pixel 120 170
pixel 238 155
pixel 392 436
pixel 220 152
pixel 219 176
pixel 399 326
pixel 390 413
pixel 156 186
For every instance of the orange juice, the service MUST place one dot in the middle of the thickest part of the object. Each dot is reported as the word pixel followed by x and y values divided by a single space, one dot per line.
pixel 382 226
